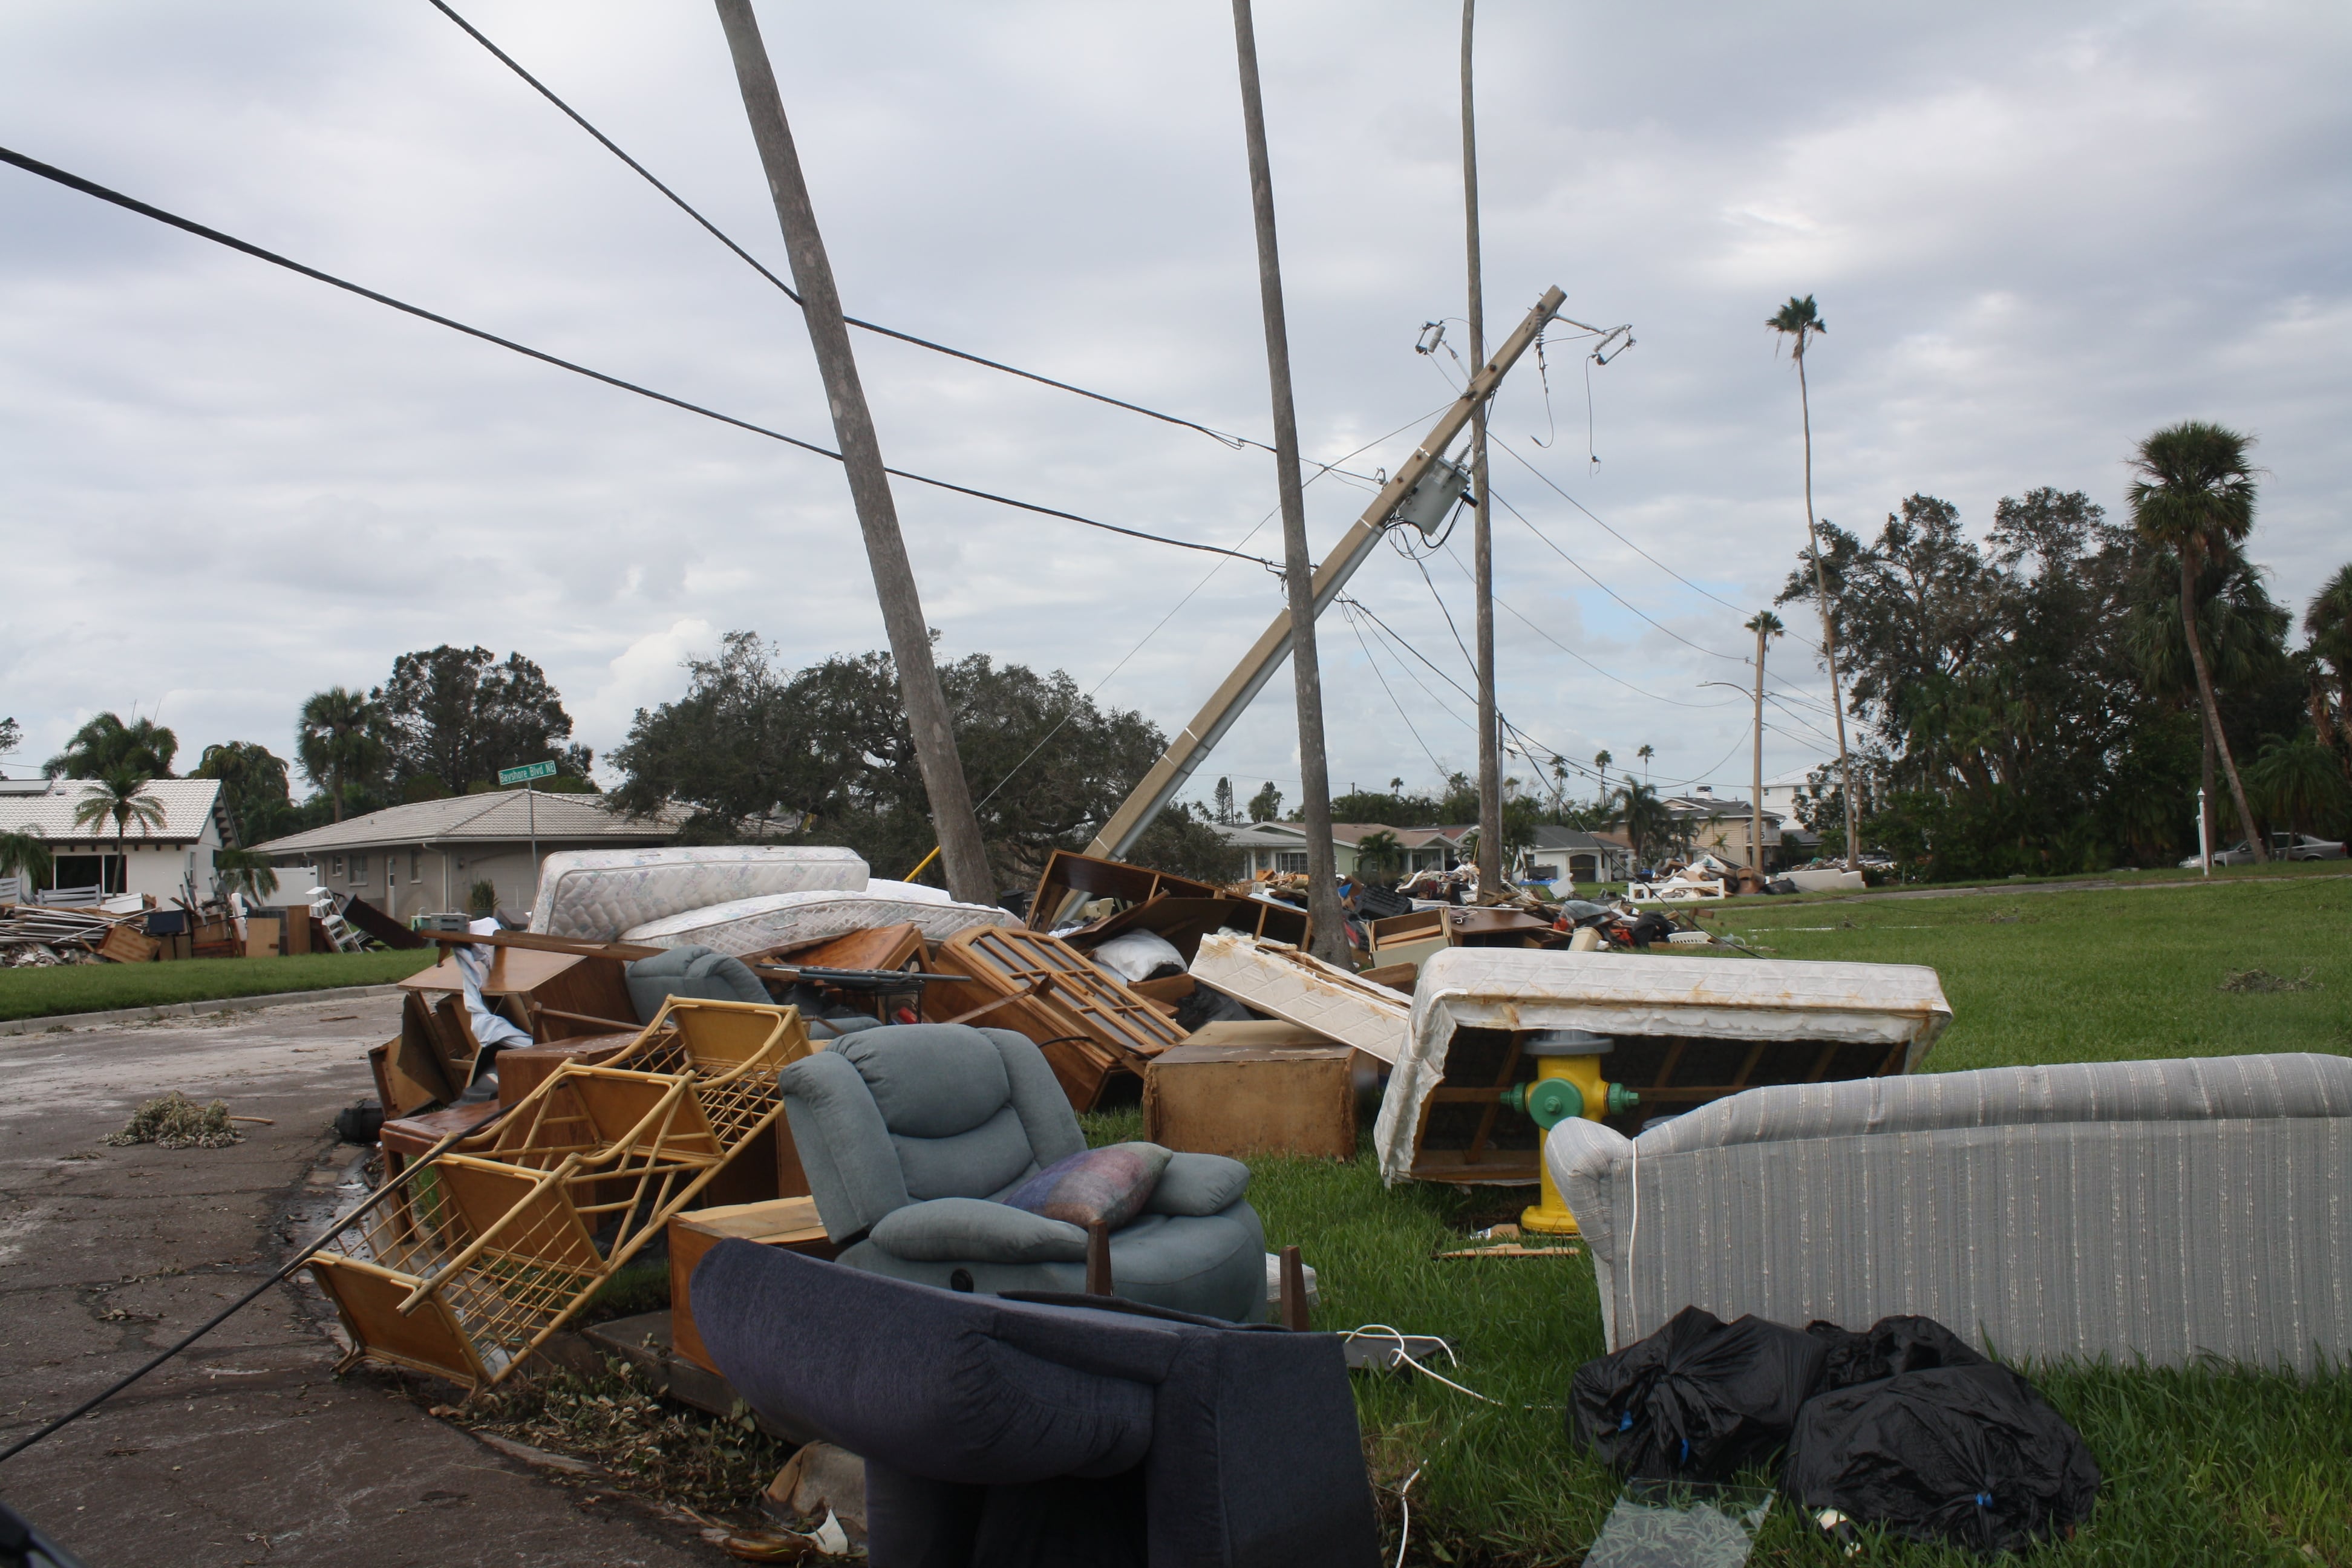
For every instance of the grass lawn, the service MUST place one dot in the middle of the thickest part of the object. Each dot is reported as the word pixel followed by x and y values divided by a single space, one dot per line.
pixel 101 987
pixel 2200 1467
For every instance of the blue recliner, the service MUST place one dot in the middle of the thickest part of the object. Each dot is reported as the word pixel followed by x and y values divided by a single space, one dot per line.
pixel 908 1133
pixel 699 973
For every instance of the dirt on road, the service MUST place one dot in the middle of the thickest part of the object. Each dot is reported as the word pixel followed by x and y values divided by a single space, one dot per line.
pixel 246 1449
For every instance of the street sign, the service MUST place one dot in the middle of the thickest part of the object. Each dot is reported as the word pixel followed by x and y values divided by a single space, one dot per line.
pixel 519 775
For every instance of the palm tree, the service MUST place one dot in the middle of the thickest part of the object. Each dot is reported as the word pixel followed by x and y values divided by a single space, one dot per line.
pixel 1643 818
pixel 1645 753
pixel 120 794
pixel 1376 852
pixel 2328 622
pixel 247 871
pixel 25 854
pixel 106 742
pixel 1601 761
pixel 250 776
pixel 2240 628
pixel 2196 494
pixel 1799 322
pixel 336 740
pixel 2298 783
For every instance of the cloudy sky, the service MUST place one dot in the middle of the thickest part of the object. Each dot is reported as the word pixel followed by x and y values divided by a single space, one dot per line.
pixel 2036 233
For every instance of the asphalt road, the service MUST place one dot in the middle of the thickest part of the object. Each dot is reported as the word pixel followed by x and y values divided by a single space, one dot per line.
pixel 246 1449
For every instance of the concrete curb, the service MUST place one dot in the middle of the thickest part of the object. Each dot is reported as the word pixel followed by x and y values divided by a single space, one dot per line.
pixel 191 1009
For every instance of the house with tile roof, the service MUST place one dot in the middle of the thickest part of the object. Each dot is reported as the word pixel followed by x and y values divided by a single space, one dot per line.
pixel 166 860
pixel 423 856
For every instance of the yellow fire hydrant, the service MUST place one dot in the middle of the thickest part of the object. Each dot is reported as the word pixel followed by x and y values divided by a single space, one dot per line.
pixel 1568 1083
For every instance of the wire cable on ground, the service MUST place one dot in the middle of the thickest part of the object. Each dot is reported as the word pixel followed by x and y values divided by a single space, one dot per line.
pixel 130 204
pixel 1222 438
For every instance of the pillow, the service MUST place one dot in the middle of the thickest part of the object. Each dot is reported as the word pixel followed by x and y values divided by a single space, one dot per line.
pixel 1107 1186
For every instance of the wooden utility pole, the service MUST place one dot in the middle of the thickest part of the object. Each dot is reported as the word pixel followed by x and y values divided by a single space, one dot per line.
pixel 1482 538
pixel 1756 799
pixel 962 856
pixel 1298 567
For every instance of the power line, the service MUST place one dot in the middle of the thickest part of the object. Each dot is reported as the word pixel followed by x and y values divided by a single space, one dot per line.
pixel 1496 496
pixel 1571 653
pixel 1193 593
pixel 90 188
pixel 1357 627
pixel 1224 438
pixel 1629 544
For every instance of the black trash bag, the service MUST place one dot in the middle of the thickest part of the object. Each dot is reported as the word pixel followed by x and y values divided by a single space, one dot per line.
pixel 1889 1347
pixel 1699 1400
pixel 1967 1456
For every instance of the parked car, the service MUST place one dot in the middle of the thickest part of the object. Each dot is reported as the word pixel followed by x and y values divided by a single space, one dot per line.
pixel 2283 846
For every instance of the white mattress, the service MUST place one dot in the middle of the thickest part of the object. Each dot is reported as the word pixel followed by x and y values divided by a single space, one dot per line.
pixel 1619 993
pixel 748 925
pixel 596 894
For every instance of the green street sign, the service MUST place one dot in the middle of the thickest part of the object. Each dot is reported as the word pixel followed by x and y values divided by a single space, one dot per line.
pixel 523 774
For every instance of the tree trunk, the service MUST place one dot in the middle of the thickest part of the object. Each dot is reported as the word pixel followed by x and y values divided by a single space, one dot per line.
pixel 1829 633
pixel 335 783
pixel 2212 711
pixel 1330 942
pixel 1482 538
pixel 961 853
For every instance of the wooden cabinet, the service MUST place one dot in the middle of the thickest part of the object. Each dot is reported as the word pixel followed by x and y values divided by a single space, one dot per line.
pixel 1252 1100
pixel 786 1222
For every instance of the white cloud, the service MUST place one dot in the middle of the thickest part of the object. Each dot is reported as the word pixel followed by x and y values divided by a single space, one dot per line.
pixel 2035 234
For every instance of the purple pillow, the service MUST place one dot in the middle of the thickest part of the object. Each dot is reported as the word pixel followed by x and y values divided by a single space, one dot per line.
pixel 1109 1185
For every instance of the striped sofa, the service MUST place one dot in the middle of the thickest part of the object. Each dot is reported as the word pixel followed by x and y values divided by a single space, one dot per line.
pixel 2165 1210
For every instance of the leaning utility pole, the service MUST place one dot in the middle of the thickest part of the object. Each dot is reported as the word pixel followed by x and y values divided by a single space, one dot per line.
pixel 1482 539
pixel 1298 575
pixel 963 858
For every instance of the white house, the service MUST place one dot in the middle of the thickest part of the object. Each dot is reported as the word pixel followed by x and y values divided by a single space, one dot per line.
pixel 1282 846
pixel 425 857
pixel 174 859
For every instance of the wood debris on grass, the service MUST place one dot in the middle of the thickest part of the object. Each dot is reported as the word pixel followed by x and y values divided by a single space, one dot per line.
pixel 175 1121
pixel 2263 980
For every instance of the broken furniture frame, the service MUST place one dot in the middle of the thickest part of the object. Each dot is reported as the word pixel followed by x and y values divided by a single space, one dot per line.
pixel 1089 1022
pixel 476 1258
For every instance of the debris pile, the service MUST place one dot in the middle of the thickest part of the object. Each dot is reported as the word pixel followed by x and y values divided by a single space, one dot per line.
pixel 81 926
pixel 175 1121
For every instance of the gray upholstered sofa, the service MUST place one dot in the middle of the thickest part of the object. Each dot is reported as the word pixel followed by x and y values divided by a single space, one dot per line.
pixel 2164 1209
pixel 909 1131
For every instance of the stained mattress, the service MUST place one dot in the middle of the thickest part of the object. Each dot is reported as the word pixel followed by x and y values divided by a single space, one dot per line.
pixel 597 894
pixel 749 925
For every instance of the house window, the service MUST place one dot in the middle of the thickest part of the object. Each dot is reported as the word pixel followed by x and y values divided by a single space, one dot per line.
pixel 359 871
pixel 1290 860
pixel 335 866
pixel 416 864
